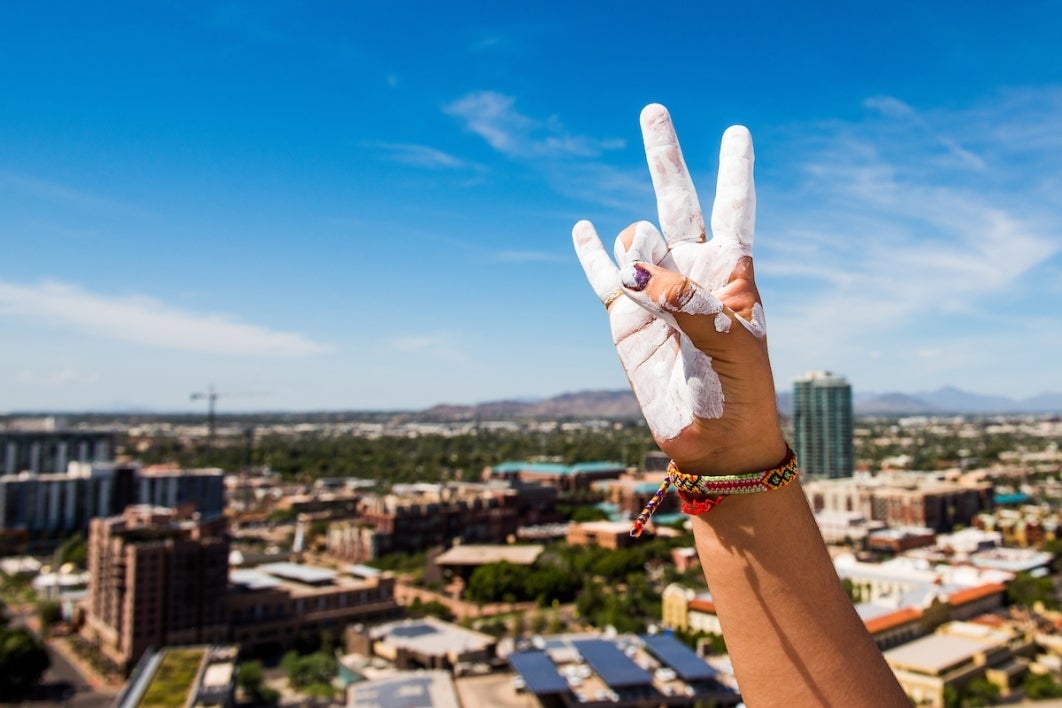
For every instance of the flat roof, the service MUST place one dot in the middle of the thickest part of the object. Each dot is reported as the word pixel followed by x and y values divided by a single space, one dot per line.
pixel 618 527
pixel 363 571
pixel 934 654
pixel 483 554
pixel 679 657
pixel 555 468
pixel 431 637
pixel 301 573
pixel 420 689
pixel 538 672
pixel 614 667
pixel 252 579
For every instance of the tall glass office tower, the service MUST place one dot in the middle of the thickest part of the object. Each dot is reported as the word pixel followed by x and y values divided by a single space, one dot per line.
pixel 822 425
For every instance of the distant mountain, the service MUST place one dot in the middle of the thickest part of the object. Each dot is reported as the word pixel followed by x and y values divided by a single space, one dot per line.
pixel 955 400
pixel 621 405
pixel 892 404
pixel 618 405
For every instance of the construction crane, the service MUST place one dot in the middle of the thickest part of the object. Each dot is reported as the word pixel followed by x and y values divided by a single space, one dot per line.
pixel 211 397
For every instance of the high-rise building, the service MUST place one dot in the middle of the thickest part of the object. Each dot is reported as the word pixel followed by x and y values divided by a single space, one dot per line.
pixel 39 510
pixel 170 486
pixel 55 505
pixel 156 579
pixel 822 425
pixel 49 451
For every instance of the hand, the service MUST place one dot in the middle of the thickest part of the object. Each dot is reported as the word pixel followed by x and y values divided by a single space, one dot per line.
pixel 685 314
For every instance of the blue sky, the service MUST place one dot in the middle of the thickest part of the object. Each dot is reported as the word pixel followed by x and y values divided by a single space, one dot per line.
pixel 369 205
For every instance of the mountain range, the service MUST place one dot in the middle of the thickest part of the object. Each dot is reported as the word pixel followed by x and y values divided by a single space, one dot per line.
pixel 622 405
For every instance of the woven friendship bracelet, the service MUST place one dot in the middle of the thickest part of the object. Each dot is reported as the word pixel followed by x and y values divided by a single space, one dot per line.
pixel 701 493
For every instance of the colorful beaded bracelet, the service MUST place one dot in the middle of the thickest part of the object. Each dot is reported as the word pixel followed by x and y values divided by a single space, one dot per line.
pixel 702 493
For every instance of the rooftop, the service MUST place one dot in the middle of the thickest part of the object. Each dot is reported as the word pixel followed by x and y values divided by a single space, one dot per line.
pixel 421 688
pixel 933 654
pixel 431 637
pixel 482 554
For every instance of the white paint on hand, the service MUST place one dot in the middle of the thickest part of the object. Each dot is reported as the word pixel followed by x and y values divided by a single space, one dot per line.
pixel 706 390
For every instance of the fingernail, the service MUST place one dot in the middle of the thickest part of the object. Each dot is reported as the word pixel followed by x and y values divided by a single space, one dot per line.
pixel 634 276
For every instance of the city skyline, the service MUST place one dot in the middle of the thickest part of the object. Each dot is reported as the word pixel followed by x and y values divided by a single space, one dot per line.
pixel 346 207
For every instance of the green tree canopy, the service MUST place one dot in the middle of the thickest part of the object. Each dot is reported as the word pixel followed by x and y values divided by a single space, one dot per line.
pixel 23 660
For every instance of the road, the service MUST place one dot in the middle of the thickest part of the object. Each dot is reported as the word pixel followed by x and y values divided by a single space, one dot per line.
pixel 63 686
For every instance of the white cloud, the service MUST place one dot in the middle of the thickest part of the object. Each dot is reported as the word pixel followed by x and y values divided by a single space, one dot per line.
pixel 532 257
pixel 423 156
pixel 146 321
pixel 55 379
pixel 435 345
pixel 493 117
pixel 55 192
pixel 900 242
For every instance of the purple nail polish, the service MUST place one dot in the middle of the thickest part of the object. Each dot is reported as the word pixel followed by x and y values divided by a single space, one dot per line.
pixel 635 277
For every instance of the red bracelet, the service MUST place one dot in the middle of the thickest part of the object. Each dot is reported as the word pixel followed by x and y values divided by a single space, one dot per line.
pixel 702 493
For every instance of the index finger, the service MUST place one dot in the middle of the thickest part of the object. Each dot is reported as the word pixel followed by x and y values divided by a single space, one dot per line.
pixel 679 209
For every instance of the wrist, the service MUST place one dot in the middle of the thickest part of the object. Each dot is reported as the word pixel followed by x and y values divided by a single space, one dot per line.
pixel 732 456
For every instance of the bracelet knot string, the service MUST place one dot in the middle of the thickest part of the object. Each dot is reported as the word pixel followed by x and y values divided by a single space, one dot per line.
pixel 702 493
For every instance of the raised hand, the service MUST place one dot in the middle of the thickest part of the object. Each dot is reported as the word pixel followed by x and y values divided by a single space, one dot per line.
pixel 685 313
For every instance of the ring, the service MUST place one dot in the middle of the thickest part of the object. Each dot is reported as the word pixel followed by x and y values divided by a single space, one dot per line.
pixel 612 296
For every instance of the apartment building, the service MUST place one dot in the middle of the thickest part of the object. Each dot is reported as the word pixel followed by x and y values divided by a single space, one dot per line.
pixel 904 498
pixel 48 451
pixel 157 578
pixel 272 604
pixel 415 517
pixel 38 509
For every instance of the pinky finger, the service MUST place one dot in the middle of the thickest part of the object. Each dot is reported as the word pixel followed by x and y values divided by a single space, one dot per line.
pixel 600 271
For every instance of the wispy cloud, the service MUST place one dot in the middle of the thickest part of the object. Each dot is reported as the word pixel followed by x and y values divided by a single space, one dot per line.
pixel 55 379
pixel 61 194
pixel 898 234
pixel 435 345
pixel 146 321
pixel 532 257
pixel 493 117
pixel 906 117
pixel 423 156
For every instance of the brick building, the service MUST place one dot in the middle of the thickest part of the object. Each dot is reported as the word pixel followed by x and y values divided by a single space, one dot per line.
pixel 564 478
pixel 157 578
pixel 416 517
pixel 904 498
pixel 272 604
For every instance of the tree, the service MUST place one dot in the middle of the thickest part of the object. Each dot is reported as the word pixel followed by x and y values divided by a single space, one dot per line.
pixel 1026 590
pixel 434 608
pixel 50 612
pixel 980 692
pixel 74 550
pixel 583 514
pixel 23 660
pixel 536 624
pixel 311 674
pixel 251 678
pixel 1041 686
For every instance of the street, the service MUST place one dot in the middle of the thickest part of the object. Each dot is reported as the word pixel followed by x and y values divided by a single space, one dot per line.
pixel 62 685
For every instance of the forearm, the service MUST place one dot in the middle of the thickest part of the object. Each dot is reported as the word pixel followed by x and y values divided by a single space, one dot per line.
pixel 791 630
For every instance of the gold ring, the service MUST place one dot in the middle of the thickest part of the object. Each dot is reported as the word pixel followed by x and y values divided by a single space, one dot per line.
pixel 612 296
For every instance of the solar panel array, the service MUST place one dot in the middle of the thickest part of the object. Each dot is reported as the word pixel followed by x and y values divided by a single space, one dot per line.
pixel 538 672
pixel 614 667
pixel 670 651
